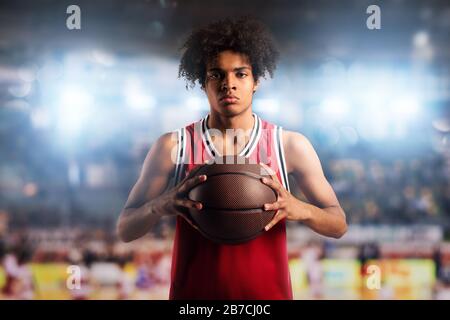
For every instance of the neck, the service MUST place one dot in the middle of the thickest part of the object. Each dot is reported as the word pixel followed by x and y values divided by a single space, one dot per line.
pixel 220 122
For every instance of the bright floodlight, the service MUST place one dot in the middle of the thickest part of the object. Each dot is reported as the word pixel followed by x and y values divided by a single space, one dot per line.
pixel 406 107
pixel 421 39
pixel 197 103
pixel 373 124
pixel 73 110
pixel 271 106
pixel 335 108
pixel 136 96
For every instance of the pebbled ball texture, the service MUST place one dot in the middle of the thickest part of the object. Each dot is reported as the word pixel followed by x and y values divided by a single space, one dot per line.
pixel 233 197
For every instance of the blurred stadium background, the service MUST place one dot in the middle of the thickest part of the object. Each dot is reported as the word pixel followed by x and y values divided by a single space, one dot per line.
pixel 79 109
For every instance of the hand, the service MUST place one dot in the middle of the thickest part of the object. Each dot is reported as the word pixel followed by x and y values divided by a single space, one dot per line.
pixel 175 201
pixel 287 205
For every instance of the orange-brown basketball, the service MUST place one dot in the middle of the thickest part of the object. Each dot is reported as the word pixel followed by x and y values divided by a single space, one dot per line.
pixel 233 197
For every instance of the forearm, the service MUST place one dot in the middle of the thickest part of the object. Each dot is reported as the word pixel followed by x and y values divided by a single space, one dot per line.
pixel 135 222
pixel 328 221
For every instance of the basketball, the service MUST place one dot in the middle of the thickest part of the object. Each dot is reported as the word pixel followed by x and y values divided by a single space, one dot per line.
pixel 233 197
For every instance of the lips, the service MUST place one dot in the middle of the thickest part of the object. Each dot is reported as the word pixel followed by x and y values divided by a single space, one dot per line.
pixel 229 99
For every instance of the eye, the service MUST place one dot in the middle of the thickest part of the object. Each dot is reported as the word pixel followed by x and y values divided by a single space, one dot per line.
pixel 214 75
pixel 241 74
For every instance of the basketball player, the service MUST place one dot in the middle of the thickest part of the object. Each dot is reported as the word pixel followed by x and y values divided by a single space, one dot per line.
pixel 228 58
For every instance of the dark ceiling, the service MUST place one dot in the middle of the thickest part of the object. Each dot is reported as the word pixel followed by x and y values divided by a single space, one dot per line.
pixel 30 28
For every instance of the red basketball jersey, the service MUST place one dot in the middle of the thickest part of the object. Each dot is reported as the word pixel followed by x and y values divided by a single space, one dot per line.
pixel 203 269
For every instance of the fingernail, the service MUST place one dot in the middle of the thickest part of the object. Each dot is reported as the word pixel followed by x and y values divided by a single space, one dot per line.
pixel 203 177
pixel 264 180
pixel 266 207
pixel 267 228
pixel 199 206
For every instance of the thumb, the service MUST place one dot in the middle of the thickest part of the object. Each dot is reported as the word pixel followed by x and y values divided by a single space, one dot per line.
pixel 208 161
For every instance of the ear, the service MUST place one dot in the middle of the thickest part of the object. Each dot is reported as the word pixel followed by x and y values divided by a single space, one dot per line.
pixel 255 87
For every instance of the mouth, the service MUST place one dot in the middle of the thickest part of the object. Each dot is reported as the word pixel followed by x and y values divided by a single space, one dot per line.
pixel 229 99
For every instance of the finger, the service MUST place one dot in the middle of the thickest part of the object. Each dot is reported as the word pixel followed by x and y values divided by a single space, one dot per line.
pixel 269 171
pixel 189 204
pixel 275 220
pixel 273 206
pixel 189 184
pixel 275 184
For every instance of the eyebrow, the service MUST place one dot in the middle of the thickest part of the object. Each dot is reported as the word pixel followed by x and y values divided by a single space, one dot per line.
pixel 235 69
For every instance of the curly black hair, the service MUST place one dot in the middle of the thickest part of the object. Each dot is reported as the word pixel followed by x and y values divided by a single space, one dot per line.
pixel 244 35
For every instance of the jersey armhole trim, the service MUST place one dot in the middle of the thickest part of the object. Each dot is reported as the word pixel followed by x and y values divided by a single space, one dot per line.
pixel 281 157
pixel 181 151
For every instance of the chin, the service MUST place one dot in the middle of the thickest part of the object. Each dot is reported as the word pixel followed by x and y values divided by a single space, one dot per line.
pixel 228 109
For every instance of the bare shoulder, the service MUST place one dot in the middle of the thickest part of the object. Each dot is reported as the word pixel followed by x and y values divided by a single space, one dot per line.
pixel 297 148
pixel 162 154
pixel 167 140
pixel 293 138
pixel 158 167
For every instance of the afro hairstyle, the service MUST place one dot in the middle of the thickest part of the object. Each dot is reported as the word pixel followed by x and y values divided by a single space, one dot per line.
pixel 245 35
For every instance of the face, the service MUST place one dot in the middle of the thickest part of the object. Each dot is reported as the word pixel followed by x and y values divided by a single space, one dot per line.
pixel 229 83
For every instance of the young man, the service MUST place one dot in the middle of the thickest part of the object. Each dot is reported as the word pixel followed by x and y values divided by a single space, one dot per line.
pixel 228 58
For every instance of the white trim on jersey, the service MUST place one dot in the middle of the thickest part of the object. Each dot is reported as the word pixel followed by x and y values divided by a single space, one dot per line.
pixel 181 154
pixel 278 140
pixel 246 151
pixel 207 141
pixel 254 138
pixel 283 158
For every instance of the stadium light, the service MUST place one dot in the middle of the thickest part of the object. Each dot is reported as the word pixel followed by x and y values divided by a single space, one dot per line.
pixel 197 103
pixel 405 107
pixel 421 39
pixel 74 108
pixel 373 124
pixel 136 97
pixel 335 108
pixel 267 105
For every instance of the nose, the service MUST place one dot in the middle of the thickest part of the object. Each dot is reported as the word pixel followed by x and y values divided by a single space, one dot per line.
pixel 228 83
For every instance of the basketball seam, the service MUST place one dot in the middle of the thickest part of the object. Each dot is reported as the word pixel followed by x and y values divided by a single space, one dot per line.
pixel 248 174
pixel 235 209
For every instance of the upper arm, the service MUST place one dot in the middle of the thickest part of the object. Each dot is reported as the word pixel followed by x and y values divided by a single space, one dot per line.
pixel 307 171
pixel 156 172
